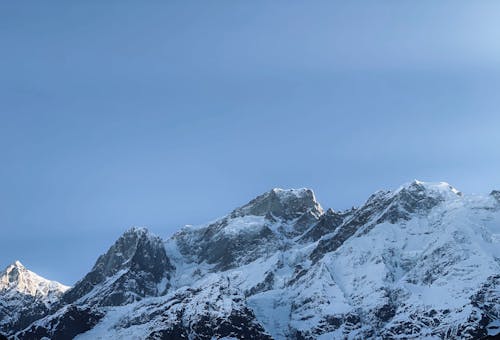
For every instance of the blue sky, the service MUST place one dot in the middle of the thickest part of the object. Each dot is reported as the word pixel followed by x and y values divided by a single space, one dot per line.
pixel 164 113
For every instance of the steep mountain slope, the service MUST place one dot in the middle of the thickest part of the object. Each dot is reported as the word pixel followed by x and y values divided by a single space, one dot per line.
pixel 136 266
pixel 422 261
pixel 25 296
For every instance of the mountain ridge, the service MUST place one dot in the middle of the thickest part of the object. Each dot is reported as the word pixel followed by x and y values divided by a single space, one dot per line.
pixel 419 261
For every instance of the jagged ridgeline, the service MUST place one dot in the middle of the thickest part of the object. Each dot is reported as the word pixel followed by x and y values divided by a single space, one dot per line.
pixel 422 261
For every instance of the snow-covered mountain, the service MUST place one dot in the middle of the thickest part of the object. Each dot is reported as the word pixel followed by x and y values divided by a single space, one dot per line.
pixel 422 261
pixel 25 296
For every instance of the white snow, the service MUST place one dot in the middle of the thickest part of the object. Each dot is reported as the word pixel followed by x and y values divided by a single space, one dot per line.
pixel 18 279
pixel 245 224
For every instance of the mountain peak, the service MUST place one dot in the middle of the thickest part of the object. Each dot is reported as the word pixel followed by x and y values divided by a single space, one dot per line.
pixel 16 277
pixel 135 264
pixel 414 197
pixel 300 192
pixel 17 264
pixel 25 296
pixel 135 247
pixel 137 231
pixel 443 189
pixel 282 203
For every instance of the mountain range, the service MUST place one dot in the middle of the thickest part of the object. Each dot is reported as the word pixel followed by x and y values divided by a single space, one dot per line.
pixel 421 261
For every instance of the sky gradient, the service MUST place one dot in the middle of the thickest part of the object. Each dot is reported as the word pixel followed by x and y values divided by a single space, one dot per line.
pixel 164 113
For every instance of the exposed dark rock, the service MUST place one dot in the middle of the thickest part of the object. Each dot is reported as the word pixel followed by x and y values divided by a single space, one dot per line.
pixel 285 204
pixel 240 325
pixel 327 223
pixel 262 286
pixel 487 301
pixel 329 323
pixel 66 324
pixel 414 198
pixel 212 320
pixel 226 250
pixel 137 261
pixel 297 274
pixel 496 194
pixel 175 332
pixel 294 211
pixel 303 223
pixel 404 330
pixel 435 265
pixel 386 312
pixel 31 309
pixel 358 218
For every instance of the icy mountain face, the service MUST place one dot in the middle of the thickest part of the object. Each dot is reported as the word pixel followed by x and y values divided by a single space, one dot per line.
pixel 25 296
pixel 409 201
pixel 267 223
pixel 422 261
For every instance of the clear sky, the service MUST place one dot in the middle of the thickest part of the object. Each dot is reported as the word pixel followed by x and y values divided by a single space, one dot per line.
pixel 164 113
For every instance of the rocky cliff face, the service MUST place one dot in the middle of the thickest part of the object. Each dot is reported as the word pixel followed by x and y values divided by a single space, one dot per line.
pixel 422 261
pixel 136 266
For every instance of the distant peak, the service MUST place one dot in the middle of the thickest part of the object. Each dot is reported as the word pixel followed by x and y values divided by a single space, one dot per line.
pixel 301 192
pixel 286 195
pixel 137 231
pixel 283 203
pixel 19 278
pixel 18 264
pixel 15 266
pixel 442 188
pixel 130 241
